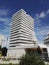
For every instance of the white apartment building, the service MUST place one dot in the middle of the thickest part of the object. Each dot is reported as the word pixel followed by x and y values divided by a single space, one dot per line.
pixel 22 32
pixel 22 29
pixel 46 40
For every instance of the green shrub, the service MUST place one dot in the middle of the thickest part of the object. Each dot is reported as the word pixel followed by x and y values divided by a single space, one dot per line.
pixel 31 58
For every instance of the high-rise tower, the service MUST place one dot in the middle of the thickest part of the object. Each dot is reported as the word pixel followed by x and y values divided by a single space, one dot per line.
pixel 22 29
pixel 22 34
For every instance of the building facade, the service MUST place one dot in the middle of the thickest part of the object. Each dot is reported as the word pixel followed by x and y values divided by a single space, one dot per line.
pixel 22 29
pixel 22 34
pixel 46 40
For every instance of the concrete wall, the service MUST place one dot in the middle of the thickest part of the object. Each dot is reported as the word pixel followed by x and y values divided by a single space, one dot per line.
pixel 15 53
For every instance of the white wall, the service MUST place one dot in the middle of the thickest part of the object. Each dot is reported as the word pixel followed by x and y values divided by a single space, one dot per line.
pixel 17 53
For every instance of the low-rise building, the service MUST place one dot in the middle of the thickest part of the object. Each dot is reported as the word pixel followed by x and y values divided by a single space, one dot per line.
pixel 46 40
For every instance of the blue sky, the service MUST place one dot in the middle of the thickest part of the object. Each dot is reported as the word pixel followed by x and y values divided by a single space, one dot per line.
pixel 38 9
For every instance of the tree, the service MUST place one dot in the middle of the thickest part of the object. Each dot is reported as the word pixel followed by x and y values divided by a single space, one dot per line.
pixel 0 48
pixel 4 51
pixel 31 58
